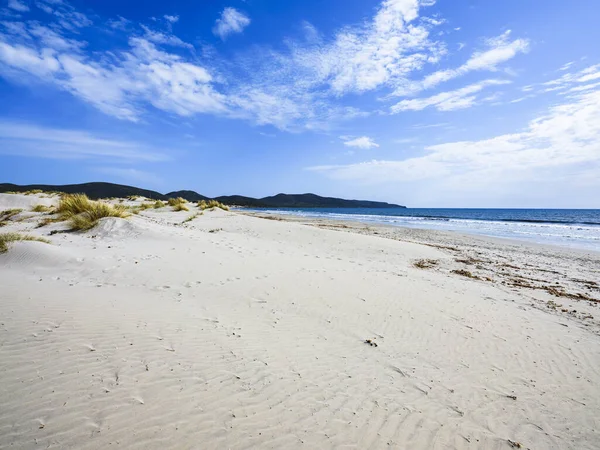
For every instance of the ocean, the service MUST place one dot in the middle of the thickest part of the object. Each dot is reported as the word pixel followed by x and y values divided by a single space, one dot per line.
pixel 576 228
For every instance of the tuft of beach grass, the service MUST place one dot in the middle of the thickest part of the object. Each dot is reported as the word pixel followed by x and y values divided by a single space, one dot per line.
pixel 211 204
pixel 192 217
pixel 41 208
pixel 7 238
pixel 84 213
pixel 7 214
pixel 178 204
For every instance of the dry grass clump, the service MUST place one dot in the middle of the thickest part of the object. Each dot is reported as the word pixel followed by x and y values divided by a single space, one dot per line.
pixel 6 238
pixel 41 208
pixel 177 201
pixel 138 208
pixel 84 213
pixel 7 214
pixel 180 207
pixel 192 217
pixel 211 204
pixel 33 191
pixel 466 273
pixel 178 204
pixel 158 204
pixel 425 263
pixel 48 220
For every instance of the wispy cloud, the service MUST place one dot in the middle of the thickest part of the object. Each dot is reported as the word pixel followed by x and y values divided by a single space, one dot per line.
pixel 67 16
pixel 231 21
pixel 566 136
pixel 380 52
pixel 32 140
pixel 18 5
pixel 448 101
pixel 498 50
pixel 566 66
pixel 300 87
pixel 359 142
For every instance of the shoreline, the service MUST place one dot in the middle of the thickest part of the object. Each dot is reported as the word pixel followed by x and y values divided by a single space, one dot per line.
pixel 473 235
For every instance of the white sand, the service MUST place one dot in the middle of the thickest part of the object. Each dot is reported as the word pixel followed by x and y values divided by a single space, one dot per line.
pixel 149 333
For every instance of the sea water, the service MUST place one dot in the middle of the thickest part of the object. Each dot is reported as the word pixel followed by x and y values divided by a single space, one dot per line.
pixel 577 228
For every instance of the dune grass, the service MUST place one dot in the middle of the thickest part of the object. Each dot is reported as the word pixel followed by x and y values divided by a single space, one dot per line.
pixel 7 214
pixel 158 204
pixel 177 201
pixel 33 191
pixel 211 204
pixel 192 217
pixel 178 204
pixel 84 213
pixel 139 208
pixel 41 208
pixel 48 220
pixel 180 207
pixel 7 238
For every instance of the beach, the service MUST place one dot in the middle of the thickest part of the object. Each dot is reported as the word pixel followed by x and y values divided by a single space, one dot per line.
pixel 242 330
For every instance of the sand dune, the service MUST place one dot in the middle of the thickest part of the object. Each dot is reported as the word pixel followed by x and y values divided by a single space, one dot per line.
pixel 230 331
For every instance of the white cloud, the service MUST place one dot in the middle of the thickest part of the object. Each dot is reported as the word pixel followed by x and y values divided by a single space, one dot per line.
pixel 498 50
pixel 300 87
pixel 18 5
pixel 566 66
pixel 67 17
pixel 422 126
pixel 447 101
pixel 39 63
pixel 164 38
pixel 31 140
pixel 382 52
pixel 564 140
pixel 171 19
pixel 231 21
pixel 359 142
pixel 120 23
pixel 569 82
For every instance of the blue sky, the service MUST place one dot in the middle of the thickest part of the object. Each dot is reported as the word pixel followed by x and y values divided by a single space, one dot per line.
pixel 473 103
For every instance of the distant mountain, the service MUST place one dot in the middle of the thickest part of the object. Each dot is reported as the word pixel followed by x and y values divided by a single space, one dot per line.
pixel 240 200
pixel 103 190
pixel 190 196
pixel 316 201
pixel 92 190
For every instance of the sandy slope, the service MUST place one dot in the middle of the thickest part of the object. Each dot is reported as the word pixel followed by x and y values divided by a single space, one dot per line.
pixel 231 331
